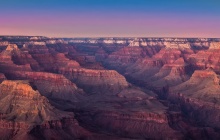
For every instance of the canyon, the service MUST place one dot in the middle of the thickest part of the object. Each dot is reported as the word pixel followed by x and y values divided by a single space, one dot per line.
pixel 109 88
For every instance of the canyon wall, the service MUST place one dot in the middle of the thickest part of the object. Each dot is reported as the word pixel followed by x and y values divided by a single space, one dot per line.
pixel 109 88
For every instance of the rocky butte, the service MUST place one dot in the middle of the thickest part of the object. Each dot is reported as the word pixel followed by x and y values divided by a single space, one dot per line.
pixel 109 88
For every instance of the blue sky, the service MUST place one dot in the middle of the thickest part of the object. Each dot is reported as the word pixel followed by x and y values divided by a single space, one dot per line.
pixel 123 18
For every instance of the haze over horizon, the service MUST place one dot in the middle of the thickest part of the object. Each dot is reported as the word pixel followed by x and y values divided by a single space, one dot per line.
pixel 111 18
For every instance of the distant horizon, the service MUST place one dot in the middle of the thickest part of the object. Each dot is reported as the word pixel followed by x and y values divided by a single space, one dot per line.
pixel 111 18
pixel 104 36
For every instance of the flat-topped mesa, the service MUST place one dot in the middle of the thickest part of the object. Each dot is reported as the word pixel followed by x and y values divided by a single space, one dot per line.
pixel 114 41
pixel 119 41
pixel 177 45
pixel 145 42
pixel 214 45
pixel 135 94
pixel 108 41
pixel 60 79
pixel 56 41
pixel 36 43
pixel 97 73
pixel 175 39
pixel 35 38
pixel 173 43
pixel 135 43
pixel 96 81
pixel 50 85
pixel 200 44
pixel 77 41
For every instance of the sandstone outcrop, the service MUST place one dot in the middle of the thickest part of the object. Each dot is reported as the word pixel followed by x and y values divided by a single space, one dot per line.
pixel 51 85
pixel 6 60
pixel 199 97
pixel 205 59
pixel 144 117
pixel 30 115
pixel 117 88
pixel 214 45
pixel 96 81
pixel 21 103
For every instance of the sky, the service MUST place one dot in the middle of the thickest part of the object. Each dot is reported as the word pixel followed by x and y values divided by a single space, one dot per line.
pixel 111 18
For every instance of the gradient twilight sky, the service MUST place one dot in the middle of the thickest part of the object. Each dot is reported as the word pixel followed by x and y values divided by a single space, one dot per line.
pixel 110 18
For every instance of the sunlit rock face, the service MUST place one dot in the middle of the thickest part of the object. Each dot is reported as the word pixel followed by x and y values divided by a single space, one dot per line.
pixel 205 59
pixel 200 97
pixel 97 81
pixel 109 88
pixel 26 111
pixel 214 45
pixel 26 104
pixel 50 85
pixel 6 60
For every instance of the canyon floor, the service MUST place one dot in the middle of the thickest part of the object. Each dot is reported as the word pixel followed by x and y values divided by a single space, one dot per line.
pixel 109 88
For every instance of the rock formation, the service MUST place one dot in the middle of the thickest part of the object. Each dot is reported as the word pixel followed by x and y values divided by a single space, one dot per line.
pixel 20 102
pixel 200 97
pixel 96 81
pixel 109 88
pixel 50 85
